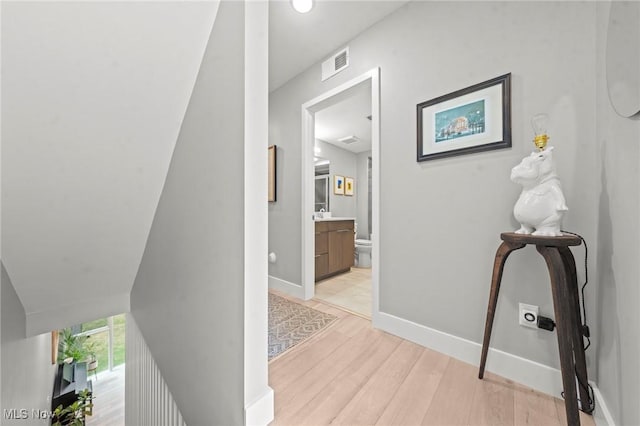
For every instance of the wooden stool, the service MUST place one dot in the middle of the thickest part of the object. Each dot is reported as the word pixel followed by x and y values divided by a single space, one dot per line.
pixel 566 304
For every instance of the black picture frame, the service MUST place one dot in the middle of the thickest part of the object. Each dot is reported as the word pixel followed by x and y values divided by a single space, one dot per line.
pixel 474 119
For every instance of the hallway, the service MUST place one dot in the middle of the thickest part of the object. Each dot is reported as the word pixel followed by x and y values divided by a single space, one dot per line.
pixel 353 374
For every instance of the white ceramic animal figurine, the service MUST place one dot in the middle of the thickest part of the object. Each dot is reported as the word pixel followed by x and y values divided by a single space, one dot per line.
pixel 541 204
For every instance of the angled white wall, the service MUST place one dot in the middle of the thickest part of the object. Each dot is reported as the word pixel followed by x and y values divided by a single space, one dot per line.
pixel 93 97
pixel 200 295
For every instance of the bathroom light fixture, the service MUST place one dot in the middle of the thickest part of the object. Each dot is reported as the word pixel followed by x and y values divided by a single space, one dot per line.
pixel 302 6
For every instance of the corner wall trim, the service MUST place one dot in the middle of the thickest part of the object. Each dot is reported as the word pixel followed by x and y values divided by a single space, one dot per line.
pixel 290 288
pixel 530 373
pixel 602 415
pixel 260 412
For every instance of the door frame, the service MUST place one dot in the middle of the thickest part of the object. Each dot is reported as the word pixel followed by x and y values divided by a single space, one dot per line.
pixel 308 131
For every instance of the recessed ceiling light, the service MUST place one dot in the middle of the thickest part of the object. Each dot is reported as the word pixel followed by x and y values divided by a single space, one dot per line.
pixel 302 6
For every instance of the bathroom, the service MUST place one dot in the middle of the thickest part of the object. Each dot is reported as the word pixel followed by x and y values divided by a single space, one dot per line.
pixel 342 159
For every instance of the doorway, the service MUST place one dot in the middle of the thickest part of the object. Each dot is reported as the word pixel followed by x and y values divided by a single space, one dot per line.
pixel 369 226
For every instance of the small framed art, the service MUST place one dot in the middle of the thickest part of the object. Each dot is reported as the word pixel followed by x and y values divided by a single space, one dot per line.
pixel 348 186
pixel 338 185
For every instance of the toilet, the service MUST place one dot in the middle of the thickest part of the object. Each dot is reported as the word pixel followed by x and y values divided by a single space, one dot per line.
pixel 363 253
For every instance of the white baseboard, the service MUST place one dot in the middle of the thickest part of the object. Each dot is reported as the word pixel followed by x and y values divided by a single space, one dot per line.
pixel 260 412
pixel 529 373
pixel 290 288
pixel 602 415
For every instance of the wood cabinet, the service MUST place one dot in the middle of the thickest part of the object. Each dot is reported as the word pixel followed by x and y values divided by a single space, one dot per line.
pixel 322 249
pixel 334 247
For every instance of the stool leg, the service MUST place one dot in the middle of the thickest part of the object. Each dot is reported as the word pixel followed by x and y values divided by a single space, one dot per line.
pixel 578 342
pixel 564 312
pixel 498 266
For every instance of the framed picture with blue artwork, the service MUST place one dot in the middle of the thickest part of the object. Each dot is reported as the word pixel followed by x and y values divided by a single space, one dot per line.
pixel 473 119
pixel 338 185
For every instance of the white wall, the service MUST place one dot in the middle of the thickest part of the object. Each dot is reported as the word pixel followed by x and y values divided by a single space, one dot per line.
pixel 192 289
pixel 27 372
pixel 617 323
pixel 428 275
pixel 93 96
pixel 258 396
pixel 343 163
pixel 1 406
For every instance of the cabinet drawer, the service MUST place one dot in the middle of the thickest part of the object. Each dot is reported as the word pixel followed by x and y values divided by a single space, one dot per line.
pixel 322 265
pixel 322 226
pixel 322 242
pixel 340 225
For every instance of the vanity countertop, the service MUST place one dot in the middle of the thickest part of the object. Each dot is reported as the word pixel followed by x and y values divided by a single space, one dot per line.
pixel 329 219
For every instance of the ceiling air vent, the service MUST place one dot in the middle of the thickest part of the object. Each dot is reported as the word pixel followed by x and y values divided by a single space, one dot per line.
pixel 335 64
pixel 348 139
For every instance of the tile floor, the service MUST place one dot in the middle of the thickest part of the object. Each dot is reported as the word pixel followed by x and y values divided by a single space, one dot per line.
pixel 351 291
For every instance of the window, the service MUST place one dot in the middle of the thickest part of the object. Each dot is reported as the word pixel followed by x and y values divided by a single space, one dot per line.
pixel 106 340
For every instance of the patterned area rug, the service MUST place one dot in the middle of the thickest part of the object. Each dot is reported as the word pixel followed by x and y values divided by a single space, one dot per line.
pixel 291 323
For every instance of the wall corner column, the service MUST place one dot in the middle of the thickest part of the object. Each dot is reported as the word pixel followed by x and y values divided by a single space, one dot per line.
pixel 257 393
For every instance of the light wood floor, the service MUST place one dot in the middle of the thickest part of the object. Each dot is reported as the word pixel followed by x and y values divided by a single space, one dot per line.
pixel 108 404
pixel 351 290
pixel 351 374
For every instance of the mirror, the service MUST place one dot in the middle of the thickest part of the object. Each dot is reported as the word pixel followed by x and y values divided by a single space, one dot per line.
pixel 623 57
pixel 322 183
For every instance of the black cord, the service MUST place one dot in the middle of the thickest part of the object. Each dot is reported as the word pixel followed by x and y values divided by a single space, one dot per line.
pixel 585 327
pixel 591 402
pixel 585 330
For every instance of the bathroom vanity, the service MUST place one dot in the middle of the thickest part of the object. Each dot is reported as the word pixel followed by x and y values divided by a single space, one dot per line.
pixel 334 246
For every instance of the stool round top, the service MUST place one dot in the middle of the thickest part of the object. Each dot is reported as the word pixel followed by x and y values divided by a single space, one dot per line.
pixel 540 240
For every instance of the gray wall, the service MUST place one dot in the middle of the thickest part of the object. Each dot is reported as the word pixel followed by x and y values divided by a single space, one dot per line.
pixel 428 274
pixel 343 163
pixel 618 320
pixel 188 296
pixel 362 194
pixel 27 372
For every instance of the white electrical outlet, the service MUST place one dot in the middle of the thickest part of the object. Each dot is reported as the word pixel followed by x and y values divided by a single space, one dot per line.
pixel 528 315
